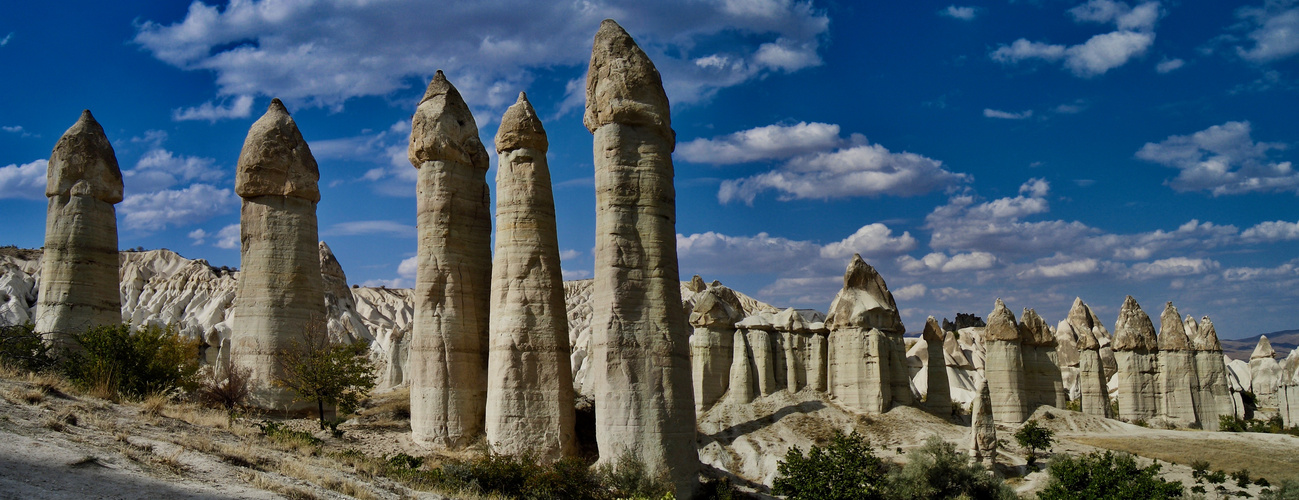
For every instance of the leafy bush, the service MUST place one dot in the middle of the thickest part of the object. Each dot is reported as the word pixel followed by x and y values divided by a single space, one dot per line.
pixel 1287 490
pixel 1274 425
pixel 627 477
pixel 1033 436
pixel 325 372
pixel 845 469
pixel 937 470
pixel 111 360
pixel 1216 477
pixel 1199 469
pixel 21 347
pixel 1106 476
pixel 279 432
pixel 226 387
pixel 1241 477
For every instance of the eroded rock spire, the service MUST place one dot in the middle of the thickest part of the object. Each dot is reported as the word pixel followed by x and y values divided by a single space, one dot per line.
pixel 1136 351
pixel 1004 366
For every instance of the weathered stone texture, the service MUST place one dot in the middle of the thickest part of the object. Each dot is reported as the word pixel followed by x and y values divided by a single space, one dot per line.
pixel 1179 385
pixel 983 428
pixel 864 357
pixel 1211 370
pixel 280 293
pixel 529 376
pixel 1004 366
pixel 448 348
pixel 78 286
pixel 641 348
pixel 1043 380
pixel 711 345
pixel 1136 350
pixel 938 399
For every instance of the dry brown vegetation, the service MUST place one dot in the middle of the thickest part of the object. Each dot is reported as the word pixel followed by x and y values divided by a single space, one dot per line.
pixel 1259 456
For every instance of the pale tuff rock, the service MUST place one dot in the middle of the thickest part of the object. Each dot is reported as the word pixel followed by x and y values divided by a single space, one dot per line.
pixel 1211 371
pixel 983 428
pixel 1178 383
pixel 1004 366
pixel 865 303
pixel 529 374
pixel 804 360
pixel 1263 368
pixel 18 276
pixel 1136 350
pixel 862 358
pixel 640 348
pixel 1094 396
pixel 742 385
pixel 1067 357
pixel 448 348
pixel 938 398
pixel 1288 393
pixel 1192 329
pixel 1081 317
pixel 712 344
pixel 78 283
pixel 344 324
pixel 389 314
pixel 280 292
pixel 1043 380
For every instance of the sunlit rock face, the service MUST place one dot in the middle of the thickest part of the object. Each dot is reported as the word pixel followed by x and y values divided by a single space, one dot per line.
pixel 861 357
pixel 281 292
pixel 1004 366
pixel 78 283
pixel 640 338
pixel 1179 384
pixel 1211 370
pixel 449 337
pixel 1136 349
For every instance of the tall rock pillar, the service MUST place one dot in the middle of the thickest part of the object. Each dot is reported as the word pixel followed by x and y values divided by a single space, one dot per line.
pixel 1004 366
pixel 280 293
pixel 79 281
pixel 1211 369
pixel 529 376
pixel 1092 381
pixel 448 348
pixel 983 427
pixel 644 401
pixel 1178 384
pixel 1136 349
pixel 939 398
pixel 1042 377
pixel 712 344
pixel 860 374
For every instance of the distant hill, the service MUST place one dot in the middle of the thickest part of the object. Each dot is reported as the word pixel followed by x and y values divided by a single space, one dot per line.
pixel 1283 341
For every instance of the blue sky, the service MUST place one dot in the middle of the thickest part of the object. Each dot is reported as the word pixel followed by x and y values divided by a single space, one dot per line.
pixel 1030 150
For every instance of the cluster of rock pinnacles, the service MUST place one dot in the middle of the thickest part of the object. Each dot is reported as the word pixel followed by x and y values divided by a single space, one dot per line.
pixel 490 356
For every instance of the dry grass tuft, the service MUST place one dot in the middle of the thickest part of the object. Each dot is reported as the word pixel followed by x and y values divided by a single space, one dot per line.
pixel 51 383
pixel 53 423
pixel 199 443
pixel 200 416
pixel 292 492
pixel 154 405
pixel 244 456
pixel 171 460
pixel 29 396
pixel 1262 458
pixel 310 473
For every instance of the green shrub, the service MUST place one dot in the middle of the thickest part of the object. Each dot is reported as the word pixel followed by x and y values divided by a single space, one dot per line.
pixel 1106 476
pixel 937 470
pixel 328 373
pixel 1287 490
pixel 1216 477
pixel 521 476
pixel 112 360
pixel 628 477
pixel 845 469
pixel 282 433
pixel 1199 468
pixel 21 347
pixel 1242 478
pixel 1033 436
pixel 404 461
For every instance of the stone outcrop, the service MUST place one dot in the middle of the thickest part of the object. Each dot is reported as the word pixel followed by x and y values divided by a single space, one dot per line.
pixel 861 353
pixel 280 295
pixel 1004 366
pixel 78 282
pixel 1136 350
pixel 712 345
pixel 1211 371
pixel 344 324
pixel 1042 378
pixel 983 427
pixel 1067 358
pixel 1178 382
pixel 529 375
pixel 640 348
pixel 448 348
pixel 1265 373
pixel 938 395
pixel 1087 331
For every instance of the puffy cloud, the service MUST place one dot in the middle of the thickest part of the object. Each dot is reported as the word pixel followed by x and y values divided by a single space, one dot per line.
pixel 962 13
pixel 1275 33
pixel 26 181
pixel 1222 159
pixel 240 107
pixel 1174 266
pixel 5 41
pixel 716 253
pixel 575 274
pixel 871 240
pixel 159 210
pixel 860 170
pixel 1059 267
pixel 1124 17
pixel 1106 51
pixel 160 169
pixel 323 53
pixel 1169 65
pixel 1022 50
pixel 408 268
pixel 1007 115
pixel 18 129
pixel 360 227
pixel 1272 231
pixel 228 237
pixel 941 262
pixel 1100 53
pixel 771 142
pixel 569 254
pixel 910 292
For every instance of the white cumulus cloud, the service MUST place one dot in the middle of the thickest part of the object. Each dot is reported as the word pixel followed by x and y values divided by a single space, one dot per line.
pixel 363 227
pixel 1134 35
pixel 1275 31
pixel 1224 160
pixel 772 142
pixel 160 169
pixel 26 181
pixel 1007 115
pixel 962 13
pixel 175 208
pixel 238 107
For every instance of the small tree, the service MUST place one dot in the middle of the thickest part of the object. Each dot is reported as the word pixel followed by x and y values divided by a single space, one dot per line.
pixel 846 469
pixel 1106 476
pixel 330 373
pixel 1034 437
pixel 114 360
pixel 225 386
pixel 937 470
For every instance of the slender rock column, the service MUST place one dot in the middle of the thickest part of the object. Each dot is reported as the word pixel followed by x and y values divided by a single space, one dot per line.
pixel 79 280
pixel 529 377
pixel 1004 366
pixel 1178 384
pixel 1265 373
pixel 449 337
pixel 280 293
pixel 1092 378
pixel 983 428
pixel 1042 377
pixel 860 352
pixel 640 338
pixel 938 400
pixel 1211 369
pixel 1136 351
pixel 712 345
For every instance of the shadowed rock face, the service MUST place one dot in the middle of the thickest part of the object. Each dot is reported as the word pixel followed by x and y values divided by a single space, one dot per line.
pixel 1211 369
pixel 1093 393
pixel 983 428
pixel 449 337
pixel 939 398
pixel 1264 371
pixel 712 344
pixel 1042 378
pixel 864 305
pixel 79 280
pixel 1136 351
pixel 529 378
pixel 280 293
pixel 641 349
pixel 1004 366
pixel 1179 385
